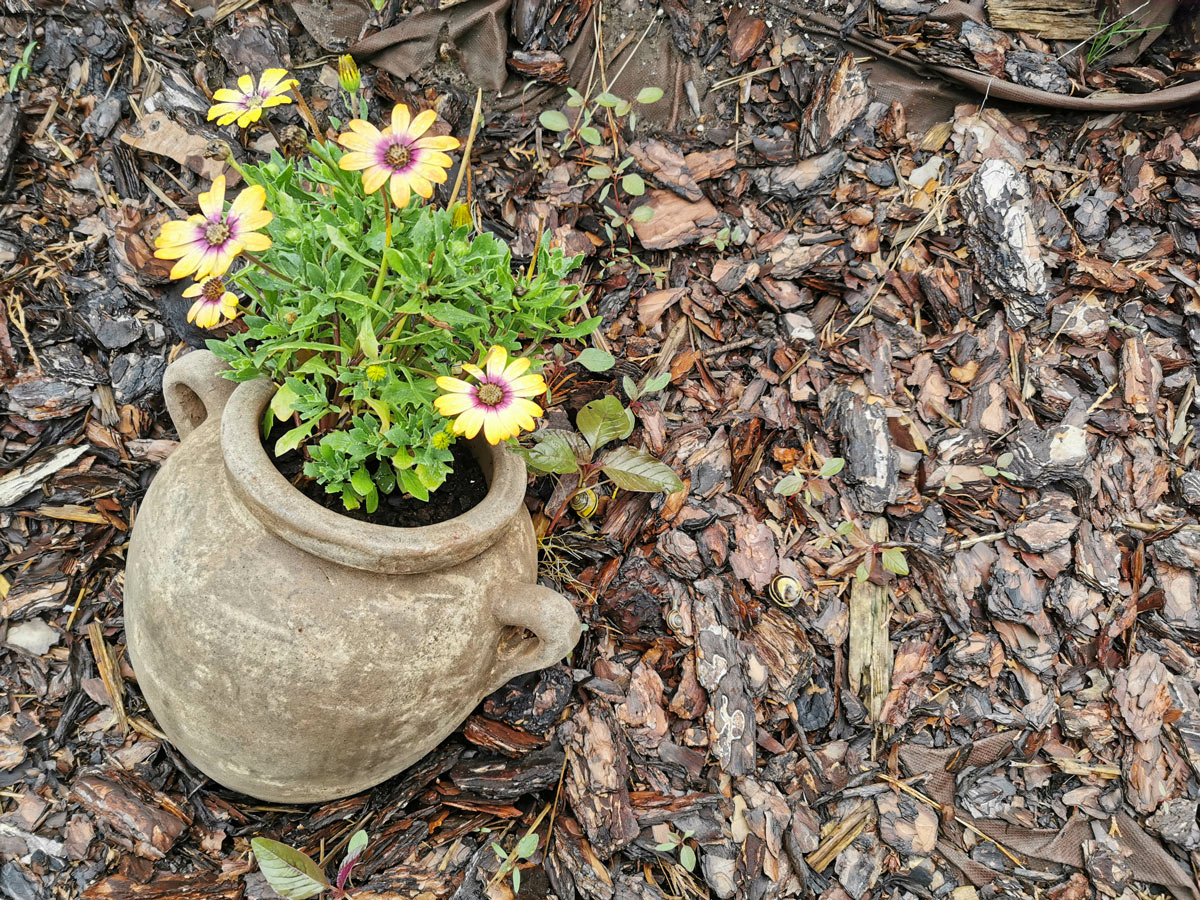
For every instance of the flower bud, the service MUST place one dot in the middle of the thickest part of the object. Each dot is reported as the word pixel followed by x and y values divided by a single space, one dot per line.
pixel 348 74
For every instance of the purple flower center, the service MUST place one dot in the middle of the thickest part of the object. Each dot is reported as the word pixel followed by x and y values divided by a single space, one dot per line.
pixel 397 155
pixel 490 394
pixel 217 233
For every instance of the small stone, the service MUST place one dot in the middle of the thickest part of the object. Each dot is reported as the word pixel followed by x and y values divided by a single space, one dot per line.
pixel 34 636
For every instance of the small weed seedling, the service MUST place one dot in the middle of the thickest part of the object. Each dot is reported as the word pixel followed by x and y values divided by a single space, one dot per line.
pixel 809 484
pixel 21 67
pixel 510 862
pixel 676 841
pixel 1003 461
pixel 294 875
pixel 1112 37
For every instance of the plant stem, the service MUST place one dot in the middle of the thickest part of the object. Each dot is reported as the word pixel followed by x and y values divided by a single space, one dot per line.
pixel 466 155
pixel 251 258
pixel 387 243
pixel 308 113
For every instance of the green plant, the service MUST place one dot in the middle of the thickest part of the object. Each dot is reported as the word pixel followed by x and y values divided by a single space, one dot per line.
pixel 808 482
pixel 510 862
pixel 1112 37
pixel 362 309
pixel 676 841
pixel 652 386
pixel 562 452
pixel 21 67
pixel 1003 461
pixel 295 876
pixel 724 238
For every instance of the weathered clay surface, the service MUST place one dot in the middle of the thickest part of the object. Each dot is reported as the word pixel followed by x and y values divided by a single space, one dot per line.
pixel 297 655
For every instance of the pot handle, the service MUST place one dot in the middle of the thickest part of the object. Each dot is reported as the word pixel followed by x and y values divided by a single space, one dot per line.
pixel 548 614
pixel 195 390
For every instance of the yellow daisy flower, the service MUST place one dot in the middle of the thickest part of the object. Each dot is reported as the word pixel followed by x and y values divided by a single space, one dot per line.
pixel 496 403
pixel 247 103
pixel 413 163
pixel 207 243
pixel 216 302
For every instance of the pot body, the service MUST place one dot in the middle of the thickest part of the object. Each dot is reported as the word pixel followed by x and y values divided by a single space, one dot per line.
pixel 290 676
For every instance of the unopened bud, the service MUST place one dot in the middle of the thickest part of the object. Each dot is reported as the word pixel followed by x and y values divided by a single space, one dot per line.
pixel 348 74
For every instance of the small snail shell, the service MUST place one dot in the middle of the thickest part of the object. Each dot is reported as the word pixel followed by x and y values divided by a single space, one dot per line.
pixel 785 590
pixel 584 503
pixel 675 621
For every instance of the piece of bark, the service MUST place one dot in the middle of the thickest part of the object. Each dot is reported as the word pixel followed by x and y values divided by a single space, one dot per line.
pixel 710 163
pixel 158 133
pixel 1037 70
pixel 870 650
pixel 543 66
pixel 838 99
pixel 573 866
pixel 1049 523
pixel 731 275
pixel 152 827
pixel 804 179
pixel 1142 376
pixel 202 885
pixel 1003 240
pixel 786 651
pixel 720 661
pixel 907 825
pixel 500 779
pixel 676 222
pixel 665 164
pixel 10 135
pixel 1142 695
pixel 987 45
pixel 872 462
pixel 641 714
pixel 793 257
pixel 746 34
pixel 1063 20
pixel 597 779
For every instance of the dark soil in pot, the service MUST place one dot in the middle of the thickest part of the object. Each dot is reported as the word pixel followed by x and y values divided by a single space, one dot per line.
pixel 466 487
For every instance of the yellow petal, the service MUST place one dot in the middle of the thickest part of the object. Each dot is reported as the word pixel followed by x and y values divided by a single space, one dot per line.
pixel 373 178
pixel 249 117
pixel 246 85
pixel 454 385
pixel 255 242
pixel 248 201
pixel 400 119
pixel 516 368
pixel 431 173
pixel 212 203
pixel 277 100
pixel 450 405
pixel 526 408
pixel 354 161
pixel 222 109
pixel 260 218
pixel 187 264
pixel 366 129
pixel 527 386
pixel 494 429
pixel 496 360
pixel 400 192
pixel 353 141
pixel 434 158
pixel 469 423
pixel 227 96
pixel 270 78
pixel 195 290
pixel 420 124
pixel 421 186
pixel 473 371
pixel 440 142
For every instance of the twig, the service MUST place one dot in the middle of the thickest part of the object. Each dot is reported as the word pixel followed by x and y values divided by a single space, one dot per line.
pixel 466 154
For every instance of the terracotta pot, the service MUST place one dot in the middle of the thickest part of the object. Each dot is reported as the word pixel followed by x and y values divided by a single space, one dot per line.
pixel 295 654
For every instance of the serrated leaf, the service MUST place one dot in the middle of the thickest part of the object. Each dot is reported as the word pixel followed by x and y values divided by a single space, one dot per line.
pixel 633 184
pixel 789 485
pixel 649 95
pixel 687 856
pixel 554 120
pixel 596 360
pixel 599 172
pixel 832 466
pixel 643 214
pixel 893 560
pixel 556 452
pixel 604 420
pixel 637 470
pixel 292 874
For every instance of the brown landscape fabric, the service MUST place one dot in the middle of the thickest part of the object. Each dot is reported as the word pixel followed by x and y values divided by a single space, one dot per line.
pixel 1147 858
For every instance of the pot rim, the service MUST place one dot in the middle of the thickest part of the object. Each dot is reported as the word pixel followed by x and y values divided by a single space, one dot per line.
pixel 308 525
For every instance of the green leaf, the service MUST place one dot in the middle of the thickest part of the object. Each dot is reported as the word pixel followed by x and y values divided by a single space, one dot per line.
pixel 361 481
pixel 637 470
pixel 554 452
pixel 292 874
pixel 649 95
pixel 643 213
pixel 630 387
pixel 633 184
pixel 554 120
pixel 516 880
pixel 790 485
pixel 604 420
pixel 605 99
pixel 863 572
pixel 665 846
pixel 893 560
pixel 599 172
pixel 1003 460
pixel 591 135
pixel 284 402
pixel 527 846
pixel 358 843
pixel 832 466
pixel 657 383
pixel 366 339
pixel 687 856
pixel 845 528
pixel 596 360
pixel 293 438
pixel 989 471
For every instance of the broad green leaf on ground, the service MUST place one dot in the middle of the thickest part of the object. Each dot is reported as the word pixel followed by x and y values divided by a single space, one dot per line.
pixel 604 420
pixel 893 560
pixel 596 360
pixel 292 874
pixel 832 466
pixel 554 120
pixel 555 451
pixel 790 484
pixel 637 470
